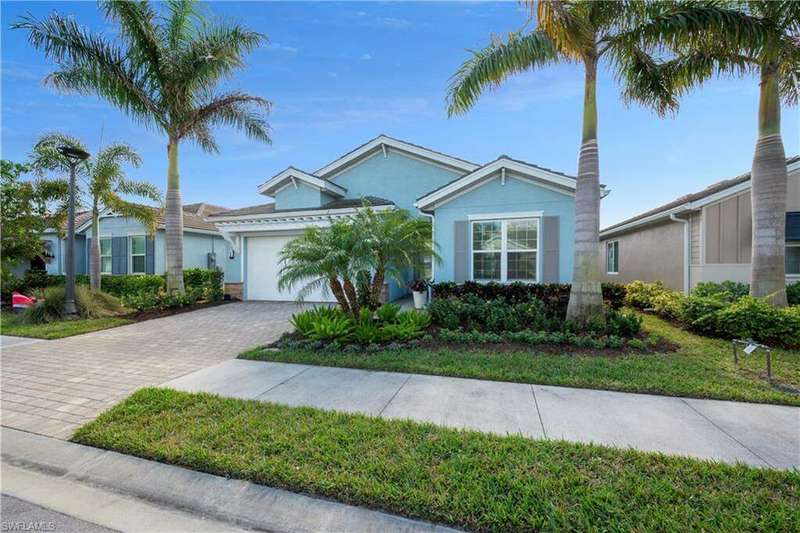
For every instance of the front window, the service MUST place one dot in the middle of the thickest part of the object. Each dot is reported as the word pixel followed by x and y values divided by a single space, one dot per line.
pixel 793 258
pixel 612 257
pixel 137 254
pixel 505 250
pixel 105 256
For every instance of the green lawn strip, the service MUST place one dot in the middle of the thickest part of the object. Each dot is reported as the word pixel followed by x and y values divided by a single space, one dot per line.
pixel 701 368
pixel 467 479
pixel 11 325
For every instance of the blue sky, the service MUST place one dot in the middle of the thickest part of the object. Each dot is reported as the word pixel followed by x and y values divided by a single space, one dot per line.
pixel 339 74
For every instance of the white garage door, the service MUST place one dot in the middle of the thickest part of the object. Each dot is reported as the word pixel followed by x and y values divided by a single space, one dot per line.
pixel 262 272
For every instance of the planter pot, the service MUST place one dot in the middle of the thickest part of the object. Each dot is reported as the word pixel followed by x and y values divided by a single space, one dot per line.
pixel 420 299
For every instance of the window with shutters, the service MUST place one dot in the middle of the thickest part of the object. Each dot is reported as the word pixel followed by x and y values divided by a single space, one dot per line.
pixel 138 253
pixel 105 255
pixel 505 250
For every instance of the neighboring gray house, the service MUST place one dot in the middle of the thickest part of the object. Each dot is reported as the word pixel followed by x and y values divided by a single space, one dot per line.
pixel 125 247
pixel 504 221
pixel 704 236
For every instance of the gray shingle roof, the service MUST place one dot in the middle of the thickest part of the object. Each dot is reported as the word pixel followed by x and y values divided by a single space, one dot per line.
pixel 692 197
pixel 266 209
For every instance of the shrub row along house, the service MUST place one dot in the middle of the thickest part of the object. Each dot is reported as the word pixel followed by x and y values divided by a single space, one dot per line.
pixel 504 221
pixel 126 247
pixel 700 237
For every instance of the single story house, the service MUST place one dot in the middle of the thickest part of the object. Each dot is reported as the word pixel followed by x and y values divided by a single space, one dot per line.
pixel 126 248
pixel 503 221
pixel 703 236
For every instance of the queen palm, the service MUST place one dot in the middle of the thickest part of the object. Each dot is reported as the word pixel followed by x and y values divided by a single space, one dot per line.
pixel 162 71
pixel 104 180
pixel 739 38
pixel 580 32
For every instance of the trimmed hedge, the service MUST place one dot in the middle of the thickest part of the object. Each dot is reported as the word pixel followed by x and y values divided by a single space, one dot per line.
pixel 555 296
pixel 207 281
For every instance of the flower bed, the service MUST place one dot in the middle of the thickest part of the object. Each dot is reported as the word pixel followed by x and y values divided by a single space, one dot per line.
pixel 721 310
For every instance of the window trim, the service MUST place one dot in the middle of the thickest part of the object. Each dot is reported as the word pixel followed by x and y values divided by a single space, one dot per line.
pixel 503 251
pixel 110 254
pixel 793 276
pixel 616 256
pixel 131 254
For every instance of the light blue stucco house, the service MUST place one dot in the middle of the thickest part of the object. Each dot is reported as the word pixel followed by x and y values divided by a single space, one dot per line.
pixel 504 221
pixel 126 248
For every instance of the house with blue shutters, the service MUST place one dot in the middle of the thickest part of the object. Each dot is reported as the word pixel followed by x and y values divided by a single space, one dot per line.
pixel 126 247
pixel 506 220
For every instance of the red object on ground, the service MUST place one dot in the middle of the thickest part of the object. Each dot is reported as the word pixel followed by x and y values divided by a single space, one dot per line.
pixel 20 301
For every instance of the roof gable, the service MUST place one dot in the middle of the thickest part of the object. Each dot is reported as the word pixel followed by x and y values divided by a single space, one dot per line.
pixel 544 177
pixel 291 174
pixel 384 142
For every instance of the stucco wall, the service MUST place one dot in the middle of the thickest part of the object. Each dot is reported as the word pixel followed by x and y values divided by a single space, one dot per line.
pixel 395 177
pixel 650 254
pixel 793 196
pixel 494 197
pixel 292 197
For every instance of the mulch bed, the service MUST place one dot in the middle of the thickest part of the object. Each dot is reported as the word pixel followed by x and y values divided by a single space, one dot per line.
pixel 140 316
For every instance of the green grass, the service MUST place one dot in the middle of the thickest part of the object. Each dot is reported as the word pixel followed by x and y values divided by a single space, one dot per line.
pixel 467 479
pixel 12 325
pixel 701 368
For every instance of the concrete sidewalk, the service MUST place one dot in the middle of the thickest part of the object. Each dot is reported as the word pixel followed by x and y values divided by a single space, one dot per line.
pixel 756 434
pixel 125 493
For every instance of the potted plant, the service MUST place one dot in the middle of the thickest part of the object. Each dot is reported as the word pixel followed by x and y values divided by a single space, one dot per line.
pixel 419 288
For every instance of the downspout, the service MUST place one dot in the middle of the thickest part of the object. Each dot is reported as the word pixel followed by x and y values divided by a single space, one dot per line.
pixel 686 250
pixel 433 259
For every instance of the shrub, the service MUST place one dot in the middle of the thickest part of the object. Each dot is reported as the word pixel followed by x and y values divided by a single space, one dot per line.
pixel 417 319
pixel 50 307
pixel 146 300
pixel 668 304
pixel 622 324
pixel 209 280
pixel 729 291
pixel 403 332
pixel 698 312
pixel 754 318
pixel 554 296
pixel 127 285
pixel 445 312
pixel 329 328
pixel 368 333
pixel 641 294
pixel 387 313
pixel 793 293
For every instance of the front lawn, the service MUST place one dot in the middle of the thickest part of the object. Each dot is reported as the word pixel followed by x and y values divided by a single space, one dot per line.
pixel 11 324
pixel 466 479
pixel 701 367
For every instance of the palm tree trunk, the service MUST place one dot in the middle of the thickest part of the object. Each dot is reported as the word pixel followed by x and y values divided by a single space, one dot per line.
pixel 352 296
pixel 338 293
pixel 94 253
pixel 377 285
pixel 173 222
pixel 769 188
pixel 586 297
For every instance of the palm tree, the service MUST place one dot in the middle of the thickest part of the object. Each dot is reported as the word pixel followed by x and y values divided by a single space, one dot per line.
pixel 580 32
pixel 105 183
pixel 162 71
pixel 323 258
pixel 393 242
pixel 738 38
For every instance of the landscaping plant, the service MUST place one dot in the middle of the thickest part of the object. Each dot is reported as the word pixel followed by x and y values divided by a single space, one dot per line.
pixel 50 307
pixel 162 67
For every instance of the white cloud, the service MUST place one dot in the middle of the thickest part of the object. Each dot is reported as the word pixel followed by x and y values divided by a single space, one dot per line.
pixel 366 57
pixel 392 22
pixel 333 75
pixel 338 112
pixel 278 47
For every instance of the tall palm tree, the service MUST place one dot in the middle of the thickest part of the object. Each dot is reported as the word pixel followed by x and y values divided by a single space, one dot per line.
pixel 580 32
pixel 105 183
pixel 162 71
pixel 738 38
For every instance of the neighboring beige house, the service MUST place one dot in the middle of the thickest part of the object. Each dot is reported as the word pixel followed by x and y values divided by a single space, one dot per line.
pixel 704 236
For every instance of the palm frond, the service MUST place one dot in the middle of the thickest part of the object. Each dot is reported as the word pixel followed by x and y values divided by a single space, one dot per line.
pixel 46 157
pixel 178 27
pixel 147 216
pixel 237 110
pixel 137 23
pixel 142 189
pixel 488 68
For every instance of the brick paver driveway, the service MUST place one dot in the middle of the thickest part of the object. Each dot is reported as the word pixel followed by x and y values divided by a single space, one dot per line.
pixel 52 387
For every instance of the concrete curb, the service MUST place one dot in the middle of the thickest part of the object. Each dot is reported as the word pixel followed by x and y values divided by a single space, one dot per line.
pixel 238 502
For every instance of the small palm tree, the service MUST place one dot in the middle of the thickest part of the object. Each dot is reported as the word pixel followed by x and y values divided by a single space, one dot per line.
pixel 392 243
pixel 736 38
pixel 162 70
pixel 576 32
pixel 105 183
pixel 323 258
